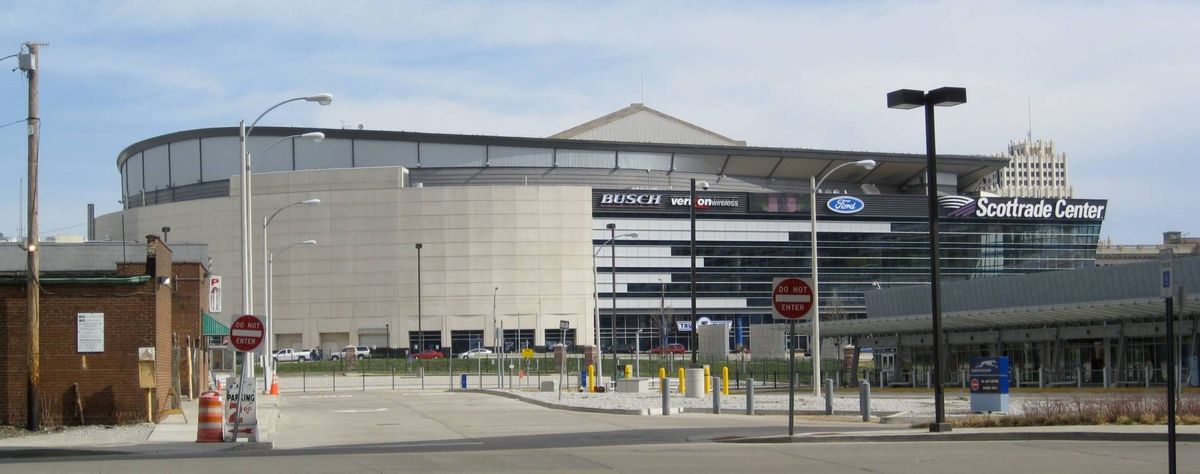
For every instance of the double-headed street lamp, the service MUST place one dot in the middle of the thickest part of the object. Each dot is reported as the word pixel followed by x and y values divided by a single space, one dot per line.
pixel 269 343
pixel 247 214
pixel 612 228
pixel 911 99
pixel 815 344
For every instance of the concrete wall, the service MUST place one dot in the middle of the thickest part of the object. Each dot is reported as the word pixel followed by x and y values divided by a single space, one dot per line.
pixel 532 243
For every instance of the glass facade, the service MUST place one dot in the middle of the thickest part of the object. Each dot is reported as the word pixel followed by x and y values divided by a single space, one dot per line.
pixel 740 251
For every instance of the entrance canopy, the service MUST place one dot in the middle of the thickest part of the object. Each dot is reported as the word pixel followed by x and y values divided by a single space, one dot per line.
pixel 1114 293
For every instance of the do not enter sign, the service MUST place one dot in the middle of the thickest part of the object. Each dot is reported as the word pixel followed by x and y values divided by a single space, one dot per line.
pixel 792 298
pixel 246 333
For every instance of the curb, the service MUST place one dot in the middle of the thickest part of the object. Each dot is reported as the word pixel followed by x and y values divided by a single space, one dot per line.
pixel 922 437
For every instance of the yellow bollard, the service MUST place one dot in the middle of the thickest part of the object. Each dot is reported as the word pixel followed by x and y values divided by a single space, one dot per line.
pixel 662 379
pixel 682 381
pixel 725 380
pixel 628 371
pixel 707 380
pixel 592 377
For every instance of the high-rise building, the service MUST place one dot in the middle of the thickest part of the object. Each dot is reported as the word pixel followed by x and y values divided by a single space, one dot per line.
pixel 1034 169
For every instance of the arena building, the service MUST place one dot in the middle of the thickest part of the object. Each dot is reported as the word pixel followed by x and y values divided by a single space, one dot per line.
pixel 514 230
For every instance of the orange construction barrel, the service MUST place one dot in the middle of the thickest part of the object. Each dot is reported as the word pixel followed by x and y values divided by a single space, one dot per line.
pixel 208 425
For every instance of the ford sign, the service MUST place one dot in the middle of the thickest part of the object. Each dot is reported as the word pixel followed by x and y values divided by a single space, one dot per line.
pixel 845 204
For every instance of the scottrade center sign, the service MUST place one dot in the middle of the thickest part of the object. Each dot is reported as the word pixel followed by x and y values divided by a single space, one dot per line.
pixel 1024 208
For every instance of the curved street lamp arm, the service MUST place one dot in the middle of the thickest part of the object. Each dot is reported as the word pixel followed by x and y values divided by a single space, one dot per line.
pixel 250 129
pixel 864 163
pixel 267 221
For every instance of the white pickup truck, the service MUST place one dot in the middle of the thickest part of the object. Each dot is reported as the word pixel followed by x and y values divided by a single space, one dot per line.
pixel 288 355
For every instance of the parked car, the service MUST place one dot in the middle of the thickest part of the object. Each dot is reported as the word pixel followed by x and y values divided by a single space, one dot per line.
pixel 672 348
pixel 360 352
pixel 291 355
pixel 621 348
pixel 430 354
pixel 476 352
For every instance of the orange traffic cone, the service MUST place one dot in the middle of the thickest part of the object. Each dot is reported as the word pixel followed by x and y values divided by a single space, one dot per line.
pixel 274 384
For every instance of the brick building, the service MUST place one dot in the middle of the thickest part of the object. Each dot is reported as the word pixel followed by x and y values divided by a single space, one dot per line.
pixel 100 303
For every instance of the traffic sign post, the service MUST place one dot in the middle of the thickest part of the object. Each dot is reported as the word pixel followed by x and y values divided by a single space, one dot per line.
pixel 792 298
pixel 246 334
pixel 1166 260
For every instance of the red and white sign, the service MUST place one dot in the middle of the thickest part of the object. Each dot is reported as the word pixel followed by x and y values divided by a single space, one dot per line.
pixel 247 332
pixel 975 385
pixel 792 298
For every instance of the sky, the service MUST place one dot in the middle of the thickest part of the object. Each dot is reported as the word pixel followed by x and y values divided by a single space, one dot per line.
pixel 1114 84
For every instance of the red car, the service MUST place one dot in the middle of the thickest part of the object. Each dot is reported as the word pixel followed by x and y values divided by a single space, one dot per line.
pixel 429 354
pixel 672 348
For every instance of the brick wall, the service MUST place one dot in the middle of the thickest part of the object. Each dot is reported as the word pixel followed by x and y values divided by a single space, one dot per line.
pixel 135 315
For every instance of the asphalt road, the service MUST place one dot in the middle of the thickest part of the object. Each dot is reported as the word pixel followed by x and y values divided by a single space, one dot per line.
pixel 437 432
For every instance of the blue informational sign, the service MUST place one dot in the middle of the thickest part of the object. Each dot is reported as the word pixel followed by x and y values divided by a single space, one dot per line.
pixel 989 384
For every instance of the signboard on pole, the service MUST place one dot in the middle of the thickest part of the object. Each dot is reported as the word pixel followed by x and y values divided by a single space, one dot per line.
pixel 247 332
pixel 214 294
pixel 1166 258
pixel 792 298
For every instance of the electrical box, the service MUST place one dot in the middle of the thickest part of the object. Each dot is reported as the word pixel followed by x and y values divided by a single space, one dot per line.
pixel 27 62
pixel 146 374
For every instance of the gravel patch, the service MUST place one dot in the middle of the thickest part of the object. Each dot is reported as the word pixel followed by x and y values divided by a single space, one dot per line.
pixel 74 436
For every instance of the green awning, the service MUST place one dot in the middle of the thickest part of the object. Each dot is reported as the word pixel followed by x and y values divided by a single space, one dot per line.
pixel 214 327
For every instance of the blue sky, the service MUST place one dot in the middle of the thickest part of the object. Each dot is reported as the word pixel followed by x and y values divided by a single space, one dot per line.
pixel 1114 84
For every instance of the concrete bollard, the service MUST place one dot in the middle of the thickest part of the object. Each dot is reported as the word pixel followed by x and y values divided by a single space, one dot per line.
pixel 1079 377
pixel 716 397
pixel 666 400
pixel 1147 370
pixel 864 399
pixel 1104 375
pixel 750 396
pixel 696 383
pixel 828 396
pixel 928 379
pixel 1041 377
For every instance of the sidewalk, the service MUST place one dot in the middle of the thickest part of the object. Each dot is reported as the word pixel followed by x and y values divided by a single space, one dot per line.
pixel 179 428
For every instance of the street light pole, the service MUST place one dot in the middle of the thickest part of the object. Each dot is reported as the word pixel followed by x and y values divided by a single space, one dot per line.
pixel 612 233
pixel 269 340
pixel 815 343
pixel 247 215
pixel 270 306
pixel 596 296
pixel 909 99
pixel 693 339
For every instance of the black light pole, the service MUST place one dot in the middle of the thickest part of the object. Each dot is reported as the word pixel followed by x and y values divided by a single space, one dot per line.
pixel 692 340
pixel 420 331
pixel 910 99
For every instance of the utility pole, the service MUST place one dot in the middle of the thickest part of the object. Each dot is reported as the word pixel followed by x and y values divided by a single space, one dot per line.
pixel 28 63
